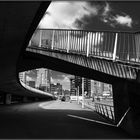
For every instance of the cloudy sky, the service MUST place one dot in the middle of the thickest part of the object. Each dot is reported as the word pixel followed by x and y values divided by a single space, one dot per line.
pixel 90 15
pixel 62 78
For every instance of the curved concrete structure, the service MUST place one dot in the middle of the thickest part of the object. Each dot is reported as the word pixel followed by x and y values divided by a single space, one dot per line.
pixel 18 20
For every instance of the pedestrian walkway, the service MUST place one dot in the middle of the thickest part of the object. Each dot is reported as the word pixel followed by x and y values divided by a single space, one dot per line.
pixel 55 120
pixel 74 106
pixel 63 105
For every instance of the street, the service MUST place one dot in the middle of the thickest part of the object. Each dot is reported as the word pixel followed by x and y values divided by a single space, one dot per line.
pixel 54 119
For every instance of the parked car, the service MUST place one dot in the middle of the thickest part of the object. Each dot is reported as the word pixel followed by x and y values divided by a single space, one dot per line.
pixel 63 98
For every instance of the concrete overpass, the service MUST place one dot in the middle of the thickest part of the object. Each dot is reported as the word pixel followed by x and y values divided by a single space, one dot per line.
pixel 111 66
pixel 18 22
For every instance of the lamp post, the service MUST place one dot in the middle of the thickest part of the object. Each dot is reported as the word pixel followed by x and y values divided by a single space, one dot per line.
pixel 82 92
pixel 78 94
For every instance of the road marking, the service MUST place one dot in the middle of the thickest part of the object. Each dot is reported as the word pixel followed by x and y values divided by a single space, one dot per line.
pixel 123 117
pixel 91 120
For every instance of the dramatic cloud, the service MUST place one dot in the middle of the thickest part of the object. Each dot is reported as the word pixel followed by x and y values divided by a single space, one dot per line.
pixel 62 14
pixel 115 18
pixel 124 20
pixel 106 10
pixel 65 81
pixel 89 15
pixel 104 13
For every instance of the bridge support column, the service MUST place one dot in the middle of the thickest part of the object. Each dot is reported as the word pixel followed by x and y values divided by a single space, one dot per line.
pixel 126 97
pixel 7 98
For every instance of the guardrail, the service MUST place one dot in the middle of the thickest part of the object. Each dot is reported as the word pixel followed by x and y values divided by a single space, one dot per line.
pixel 117 46
pixel 34 90
pixel 106 111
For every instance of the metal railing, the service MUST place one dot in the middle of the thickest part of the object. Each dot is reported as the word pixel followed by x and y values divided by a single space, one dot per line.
pixel 117 46
pixel 34 89
pixel 105 110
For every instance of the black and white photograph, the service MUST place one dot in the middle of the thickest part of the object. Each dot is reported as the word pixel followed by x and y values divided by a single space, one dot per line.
pixel 70 69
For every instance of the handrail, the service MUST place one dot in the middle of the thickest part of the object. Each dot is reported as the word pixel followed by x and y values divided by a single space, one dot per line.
pixel 116 46
pixel 112 31
pixel 34 90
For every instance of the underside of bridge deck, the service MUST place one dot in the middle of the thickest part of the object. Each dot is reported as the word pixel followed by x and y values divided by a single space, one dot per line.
pixel 126 92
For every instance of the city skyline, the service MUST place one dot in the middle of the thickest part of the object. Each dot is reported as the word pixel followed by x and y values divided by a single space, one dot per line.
pixel 59 77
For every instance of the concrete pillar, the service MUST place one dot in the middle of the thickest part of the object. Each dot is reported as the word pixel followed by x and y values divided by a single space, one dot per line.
pixel 121 100
pixel 126 95
pixel 7 98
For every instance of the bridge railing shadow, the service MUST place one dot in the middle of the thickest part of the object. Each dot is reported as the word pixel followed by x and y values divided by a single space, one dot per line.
pixel 106 111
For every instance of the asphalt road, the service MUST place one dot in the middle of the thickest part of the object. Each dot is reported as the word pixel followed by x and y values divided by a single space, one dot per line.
pixel 54 120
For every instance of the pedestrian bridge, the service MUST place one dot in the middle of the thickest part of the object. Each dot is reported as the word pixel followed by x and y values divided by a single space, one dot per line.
pixel 111 57
pixel 107 56
pixel 112 53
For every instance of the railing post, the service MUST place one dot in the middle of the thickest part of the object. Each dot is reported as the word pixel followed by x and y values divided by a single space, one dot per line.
pixel 40 37
pixel 115 47
pixel 53 40
pixel 78 93
pixel 68 46
pixel 88 44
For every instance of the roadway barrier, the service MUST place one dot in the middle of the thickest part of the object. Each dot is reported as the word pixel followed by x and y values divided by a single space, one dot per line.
pixel 105 110
pixel 35 90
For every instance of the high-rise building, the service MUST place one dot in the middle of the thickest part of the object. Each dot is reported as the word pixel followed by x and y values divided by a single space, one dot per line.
pixel 100 88
pixel 78 83
pixel 72 87
pixel 31 84
pixel 48 80
pixel 87 85
pixel 56 89
pixel 43 79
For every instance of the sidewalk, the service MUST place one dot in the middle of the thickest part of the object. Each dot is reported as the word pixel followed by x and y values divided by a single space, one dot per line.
pixel 88 103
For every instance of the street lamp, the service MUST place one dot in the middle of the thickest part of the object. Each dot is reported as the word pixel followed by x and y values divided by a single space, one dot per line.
pixel 82 92
pixel 77 92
